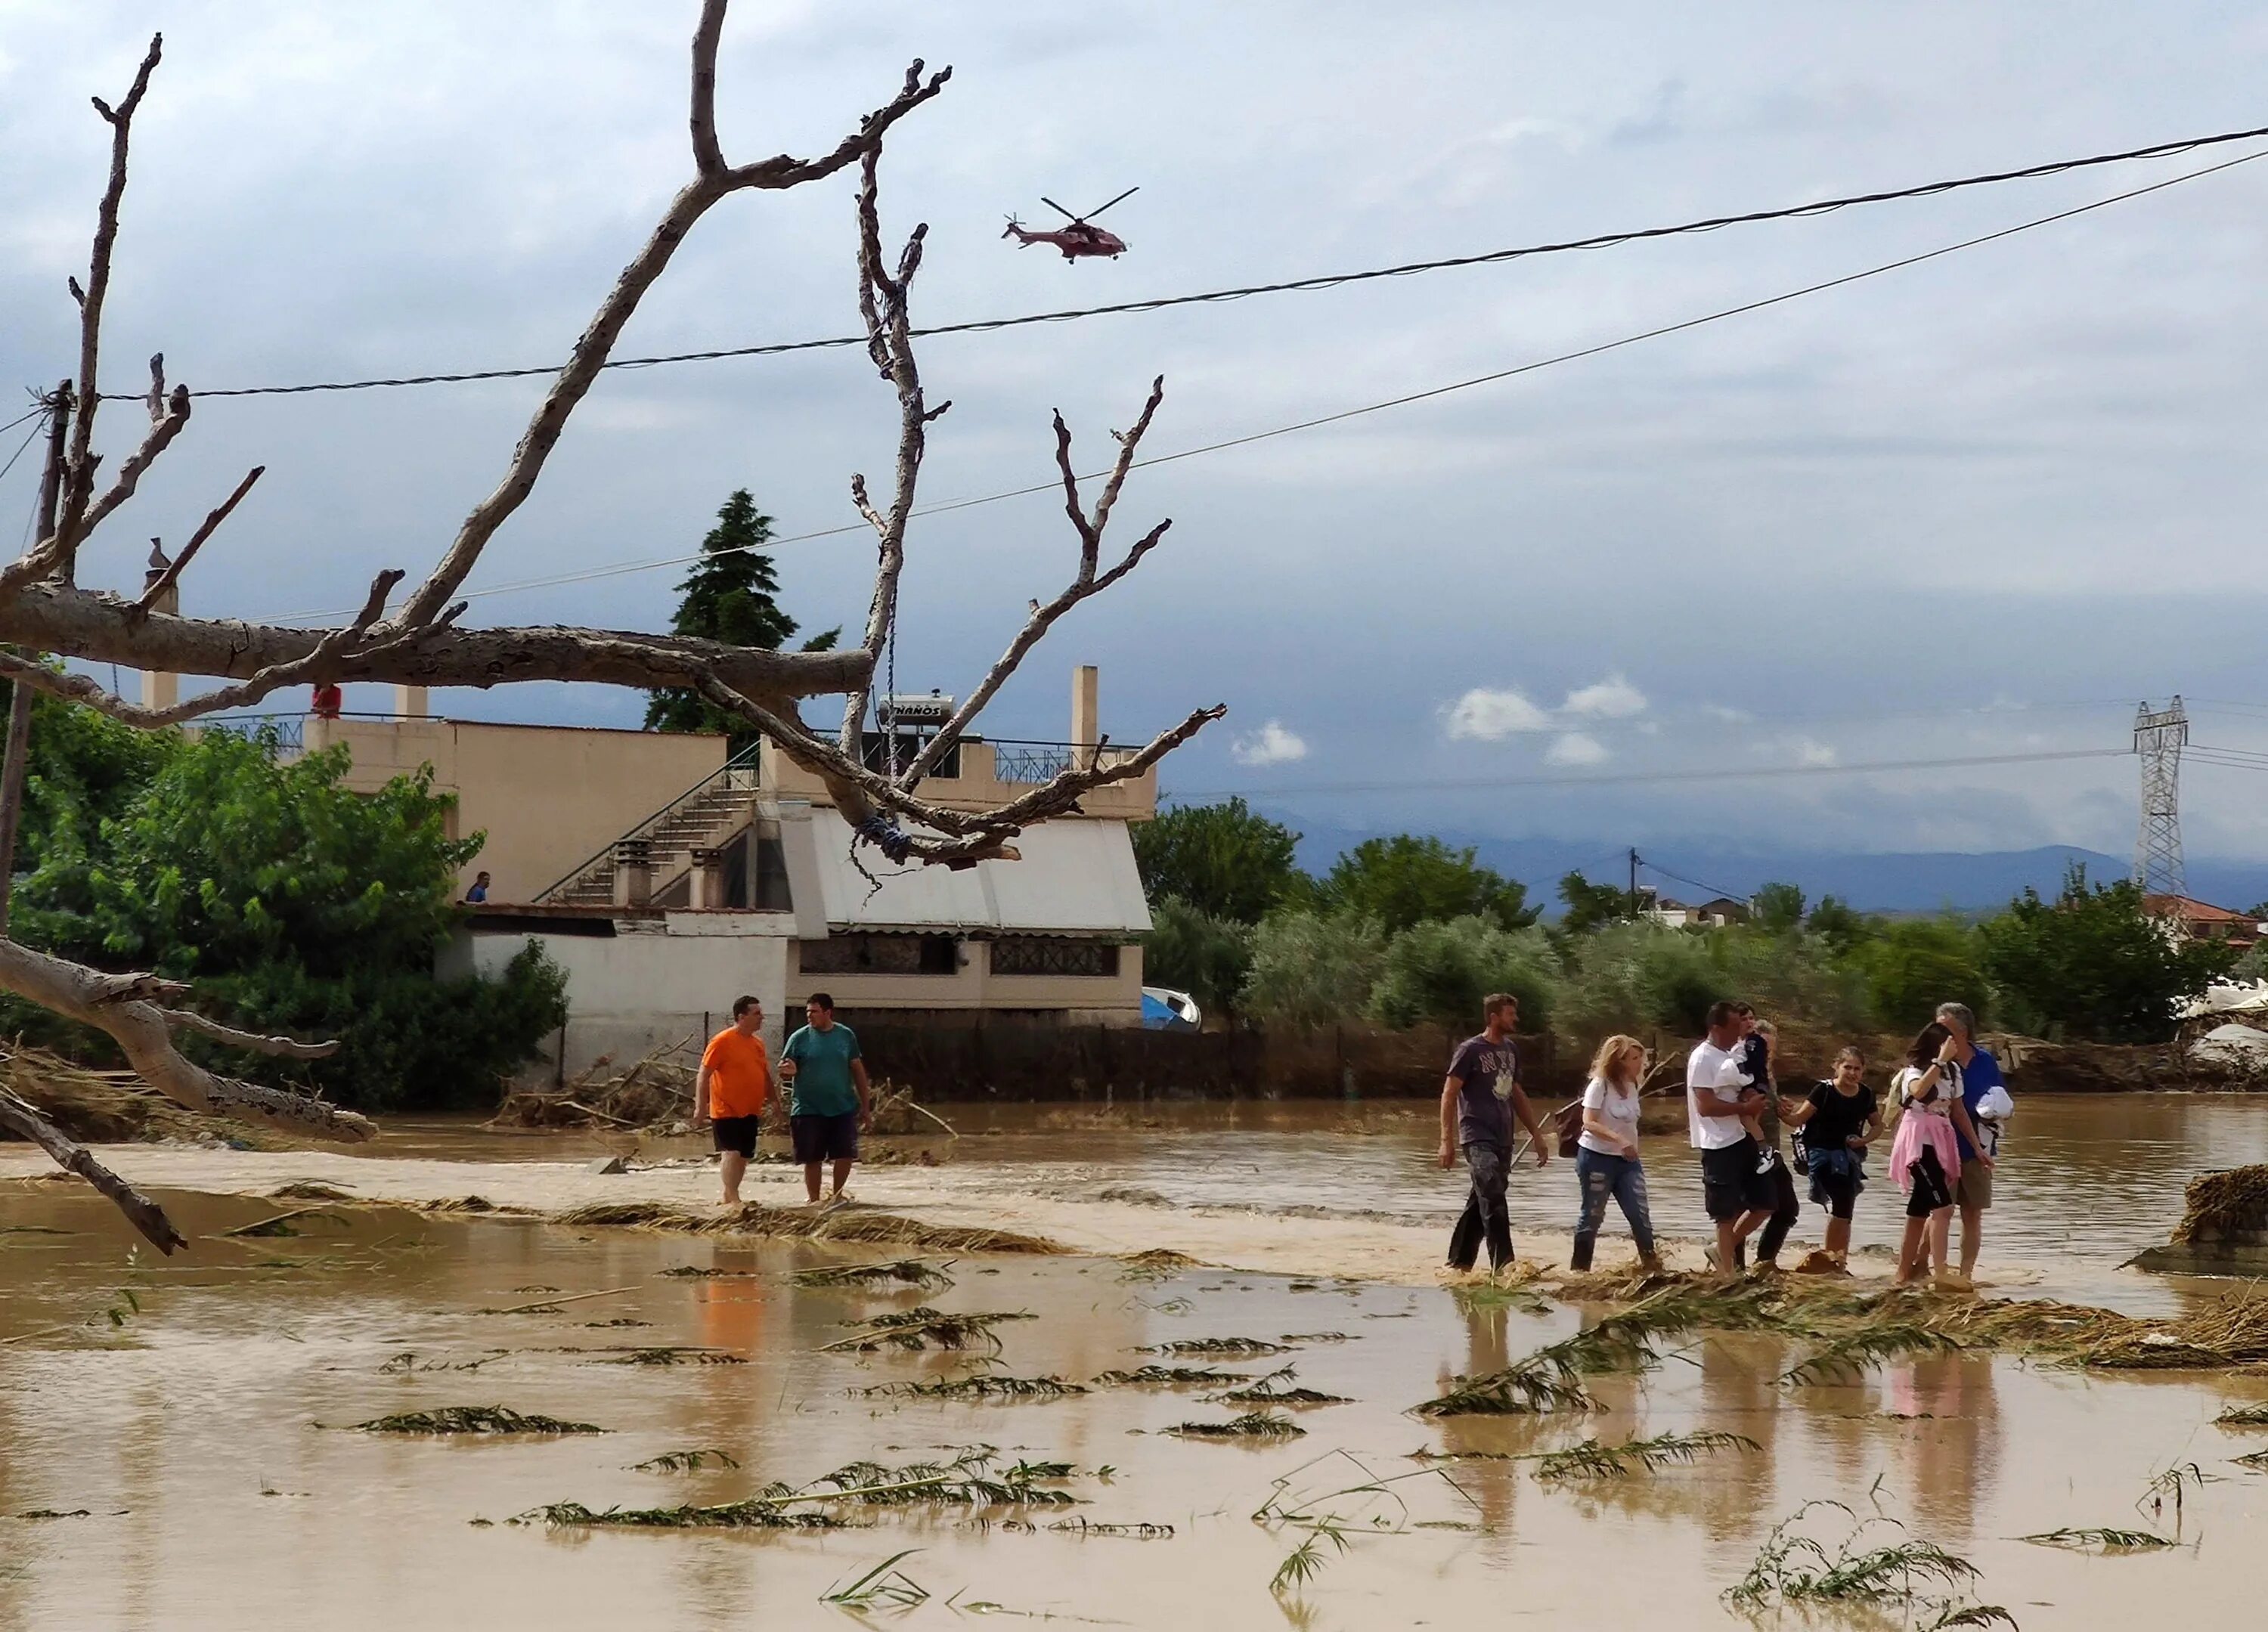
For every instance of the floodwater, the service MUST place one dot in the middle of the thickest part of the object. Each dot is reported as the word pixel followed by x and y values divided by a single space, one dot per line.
pixel 182 1419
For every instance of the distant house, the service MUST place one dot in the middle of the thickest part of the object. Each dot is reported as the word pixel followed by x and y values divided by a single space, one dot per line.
pixel 1723 910
pixel 1670 913
pixel 2202 921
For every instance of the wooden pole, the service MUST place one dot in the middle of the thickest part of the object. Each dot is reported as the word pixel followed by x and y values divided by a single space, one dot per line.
pixel 19 705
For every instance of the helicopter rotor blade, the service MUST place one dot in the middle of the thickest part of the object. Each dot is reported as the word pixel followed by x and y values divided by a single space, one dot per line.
pixel 1121 198
pixel 1058 209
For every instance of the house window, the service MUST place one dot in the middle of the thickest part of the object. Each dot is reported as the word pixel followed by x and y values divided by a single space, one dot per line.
pixel 880 955
pixel 1053 954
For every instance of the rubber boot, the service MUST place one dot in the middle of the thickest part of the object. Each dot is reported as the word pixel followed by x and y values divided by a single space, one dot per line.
pixel 1582 1259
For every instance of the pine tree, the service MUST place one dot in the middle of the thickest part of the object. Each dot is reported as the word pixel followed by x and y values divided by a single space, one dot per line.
pixel 728 597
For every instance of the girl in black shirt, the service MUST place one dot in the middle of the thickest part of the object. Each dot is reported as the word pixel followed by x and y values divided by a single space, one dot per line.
pixel 1836 1121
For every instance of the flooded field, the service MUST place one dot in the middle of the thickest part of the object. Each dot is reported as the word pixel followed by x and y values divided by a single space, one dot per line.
pixel 167 1411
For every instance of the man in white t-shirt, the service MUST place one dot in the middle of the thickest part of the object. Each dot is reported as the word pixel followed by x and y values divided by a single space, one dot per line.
pixel 1717 1091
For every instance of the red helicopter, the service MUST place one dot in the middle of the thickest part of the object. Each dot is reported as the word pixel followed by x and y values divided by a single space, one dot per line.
pixel 1082 237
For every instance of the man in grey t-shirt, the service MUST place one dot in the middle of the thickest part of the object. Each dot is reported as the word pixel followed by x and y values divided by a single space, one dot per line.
pixel 1480 1097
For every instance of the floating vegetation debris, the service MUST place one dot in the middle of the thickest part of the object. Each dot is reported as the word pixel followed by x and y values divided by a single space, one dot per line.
pixel 1795 1568
pixel 2256 1459
pixel 703 1272
pixel 49 1512
pixel 1080 1525
pixel 1592 1460
pixel 976 1386
pixel 1304 1562
pixel 1274 1390
pixel 276 1224
pixel 1316 1337
pixel 1522 1390
pixel 686 1462
pixel 1847 1357
pixel 1550 1377
pixel 1251 1425
pixel 619 1320
pixel 2099 1540
pixel 1155 1264
pixel 885 1586
pixel 924 1273
pixel 924 1328
pixel 1169 1377
pixel 837 1224
pixel 972 1479
pixel 674 1355
pixel 1482 1297
pixel 2255 1415
pixel 472 1420
pixel 1221 1348
pixel 551 1305
pixel 307 1190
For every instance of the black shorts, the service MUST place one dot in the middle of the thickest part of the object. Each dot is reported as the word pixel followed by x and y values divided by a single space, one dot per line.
pixel 1931 1188
pixel 737 1134
pixel 825 1139
pixel 1731 1184
pixel 1838 1192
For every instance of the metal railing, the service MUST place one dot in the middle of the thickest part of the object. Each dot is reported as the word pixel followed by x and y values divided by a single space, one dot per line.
pixel 737 775
pixel 1032 762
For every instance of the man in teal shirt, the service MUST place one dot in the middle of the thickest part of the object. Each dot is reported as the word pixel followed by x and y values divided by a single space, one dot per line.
pixel 828 1098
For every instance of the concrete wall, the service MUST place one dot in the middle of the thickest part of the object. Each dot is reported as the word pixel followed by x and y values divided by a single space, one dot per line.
pixel 546 796
pixel 1113 1000
pixel 629 994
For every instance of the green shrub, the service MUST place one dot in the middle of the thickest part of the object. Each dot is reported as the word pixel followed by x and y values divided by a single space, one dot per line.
pixel 1440 971
pixel 1194 951
pixel 1312 968
pixel 1914 965
pixel 2092 965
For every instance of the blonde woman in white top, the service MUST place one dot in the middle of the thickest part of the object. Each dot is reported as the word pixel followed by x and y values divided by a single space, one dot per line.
pixel 1606 1151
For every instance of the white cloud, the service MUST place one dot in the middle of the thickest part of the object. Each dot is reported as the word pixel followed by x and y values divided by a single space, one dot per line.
pixel 1810 751
pixel 1483 715
pixel 1575 748
pixel 1270 744
pixel 1613 698
pixel 1730 715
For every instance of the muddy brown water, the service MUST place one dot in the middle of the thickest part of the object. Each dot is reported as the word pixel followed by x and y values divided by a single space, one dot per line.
pixel 184 1428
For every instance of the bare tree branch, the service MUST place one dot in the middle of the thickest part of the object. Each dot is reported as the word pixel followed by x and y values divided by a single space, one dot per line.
pixel 78 480
pixel 20 1117
pixel 279 1047
pixel 574 381
pixel 1084 583
pixel 155 593
pixel 125 1006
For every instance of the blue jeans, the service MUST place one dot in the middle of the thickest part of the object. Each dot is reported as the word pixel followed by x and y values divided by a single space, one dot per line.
pixel 1622 1177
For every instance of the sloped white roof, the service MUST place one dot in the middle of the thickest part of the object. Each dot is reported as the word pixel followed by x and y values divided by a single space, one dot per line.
pixel 1077 876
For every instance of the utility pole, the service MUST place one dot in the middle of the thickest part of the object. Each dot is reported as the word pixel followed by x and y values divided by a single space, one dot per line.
pixel 19 705
pixel 1633 882
pixel 2159 736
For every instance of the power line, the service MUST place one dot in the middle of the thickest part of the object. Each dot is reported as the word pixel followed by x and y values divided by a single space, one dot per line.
pixel 29 437
pixel 1715 890
pixel 1331 280
pixel 619 569
pixel 1616 777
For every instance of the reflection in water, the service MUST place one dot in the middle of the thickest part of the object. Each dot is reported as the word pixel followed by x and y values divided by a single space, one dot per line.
pixel 185 1432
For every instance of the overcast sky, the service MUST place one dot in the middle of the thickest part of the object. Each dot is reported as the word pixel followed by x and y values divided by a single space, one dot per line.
pixel 1979 506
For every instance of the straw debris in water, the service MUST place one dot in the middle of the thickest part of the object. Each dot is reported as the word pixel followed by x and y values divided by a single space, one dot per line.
pixel 1252 1425
pixel 1169 1377
pixel 1592 1460
pixel 924 1328
pixel 686 1462
pixel 2099 1540
pixel 973 1479
pixel 837 1224
pixel 921 1273
pixel 977 1386
pixel 1221 1348
pixel 1276 1389
pixel 472 1420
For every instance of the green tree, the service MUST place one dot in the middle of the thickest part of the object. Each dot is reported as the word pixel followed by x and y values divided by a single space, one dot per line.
pixel 1915 964
pixel 1407 881
pixel 1191 951
pixel 1440 971
pixel 1843 926
pixel 294 904
pixel 1779 907
pixel 2093 965
pixel 1226 860
pixel 1311 968
pixel 729 597
pixel 1591 907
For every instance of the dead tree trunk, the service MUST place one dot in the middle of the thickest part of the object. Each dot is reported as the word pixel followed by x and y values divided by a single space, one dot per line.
pixel 19 703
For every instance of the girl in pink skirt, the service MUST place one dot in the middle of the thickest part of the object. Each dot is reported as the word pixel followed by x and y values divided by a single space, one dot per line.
pixel 1925 1156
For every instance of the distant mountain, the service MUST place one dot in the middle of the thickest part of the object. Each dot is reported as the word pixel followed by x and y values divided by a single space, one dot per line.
pixel 1898 882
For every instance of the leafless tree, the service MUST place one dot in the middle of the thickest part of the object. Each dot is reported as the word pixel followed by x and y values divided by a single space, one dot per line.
pixel 418 640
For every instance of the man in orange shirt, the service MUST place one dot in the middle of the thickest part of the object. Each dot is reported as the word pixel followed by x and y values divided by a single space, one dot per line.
pixel 733 1090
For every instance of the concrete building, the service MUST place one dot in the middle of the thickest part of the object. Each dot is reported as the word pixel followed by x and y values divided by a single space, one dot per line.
pixel 667 876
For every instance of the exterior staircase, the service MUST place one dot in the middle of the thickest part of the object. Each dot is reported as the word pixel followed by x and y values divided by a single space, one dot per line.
pixel 711 810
